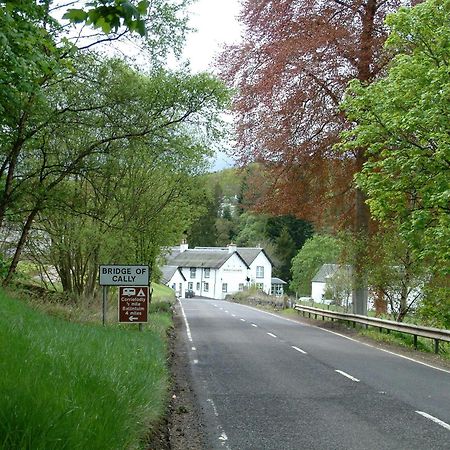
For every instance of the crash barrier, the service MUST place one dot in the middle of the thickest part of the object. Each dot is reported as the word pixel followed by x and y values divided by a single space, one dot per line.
pixel 436 334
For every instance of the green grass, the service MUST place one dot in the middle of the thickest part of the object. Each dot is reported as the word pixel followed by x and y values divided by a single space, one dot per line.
pixel 74 386
pixel 406 340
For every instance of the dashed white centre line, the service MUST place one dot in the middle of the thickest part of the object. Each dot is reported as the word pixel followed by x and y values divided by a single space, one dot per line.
pixel 434 419
pixel 195 361
pixel 226 311
pixel 347 375
pixel 299 350
pixel 243 320
pixel 271 334
pixel 234 315
pixel 254 325
pixel 194 349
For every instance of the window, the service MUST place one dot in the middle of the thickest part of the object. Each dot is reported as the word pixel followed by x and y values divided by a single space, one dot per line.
pixel 260 286
pixel 224 287
pixel 206 272
pixel 241 286
pixel 259 271
pixel 193 270
pixel 198 286
pixel 206 287
pixel 190 286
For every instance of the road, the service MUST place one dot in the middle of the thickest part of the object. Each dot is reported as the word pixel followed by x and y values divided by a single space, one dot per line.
pixel 267 382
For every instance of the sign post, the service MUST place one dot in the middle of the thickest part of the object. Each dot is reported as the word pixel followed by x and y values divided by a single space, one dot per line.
pixel 125 275
pixel 133 304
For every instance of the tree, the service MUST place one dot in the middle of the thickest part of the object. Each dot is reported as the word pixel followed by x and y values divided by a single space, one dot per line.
pixel 106 109
pixel 403 120
pixel 290 73
pixel 317 251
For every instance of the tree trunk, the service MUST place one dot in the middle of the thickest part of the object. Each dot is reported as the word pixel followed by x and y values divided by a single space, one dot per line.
pixel 22 241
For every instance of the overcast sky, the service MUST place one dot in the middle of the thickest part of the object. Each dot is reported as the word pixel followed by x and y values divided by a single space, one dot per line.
pixel 216 24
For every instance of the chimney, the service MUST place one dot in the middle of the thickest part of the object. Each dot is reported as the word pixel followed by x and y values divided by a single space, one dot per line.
pixel 232 248
pixel 183 246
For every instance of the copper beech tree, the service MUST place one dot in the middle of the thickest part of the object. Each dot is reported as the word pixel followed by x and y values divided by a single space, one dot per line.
pixel 290 73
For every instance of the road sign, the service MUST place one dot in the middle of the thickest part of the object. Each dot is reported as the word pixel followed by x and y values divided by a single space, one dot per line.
pixel 133 304
pixel 114 275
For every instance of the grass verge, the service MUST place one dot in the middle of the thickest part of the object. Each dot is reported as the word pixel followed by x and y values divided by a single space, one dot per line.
pixel 79 385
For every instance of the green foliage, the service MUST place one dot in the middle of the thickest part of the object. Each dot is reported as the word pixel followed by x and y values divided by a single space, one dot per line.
pixel 111 15
pixel 434 309
pixel 318 250
pixel 403 121
pixel 73 386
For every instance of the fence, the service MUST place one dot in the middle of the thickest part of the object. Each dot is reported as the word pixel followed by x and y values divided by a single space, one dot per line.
pixel 431 333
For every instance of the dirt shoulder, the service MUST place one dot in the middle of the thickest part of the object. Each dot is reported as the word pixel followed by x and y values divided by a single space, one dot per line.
pixel 182 428
pixel 185 423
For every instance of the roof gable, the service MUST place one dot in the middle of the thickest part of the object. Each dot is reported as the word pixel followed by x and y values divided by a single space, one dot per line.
pixel 202 258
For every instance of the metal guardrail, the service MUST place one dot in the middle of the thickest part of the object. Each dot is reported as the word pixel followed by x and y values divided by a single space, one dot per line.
pixel 436 334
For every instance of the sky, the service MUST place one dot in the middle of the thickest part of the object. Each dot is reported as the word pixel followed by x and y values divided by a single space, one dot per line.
pixel 216 24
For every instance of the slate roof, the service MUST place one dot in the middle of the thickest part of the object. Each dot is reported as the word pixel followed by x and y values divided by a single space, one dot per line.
pixel 168 272
pixel 248 254
pixel 276 280
pixel 201 258
pixel 328 271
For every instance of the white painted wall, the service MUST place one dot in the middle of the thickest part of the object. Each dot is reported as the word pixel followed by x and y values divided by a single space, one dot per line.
pixel 261 260
pixel 317 291
pixel 177 283
pixel 233 272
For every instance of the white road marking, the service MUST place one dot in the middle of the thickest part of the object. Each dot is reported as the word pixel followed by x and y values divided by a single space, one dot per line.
pixel 193 348
pixel 271 334
pixel 243 320
pixel 299 350
pixel 383 350
pixel 221 309
pixel 234 315
pixel 223 437
pixel 195 361
pixel 226 311
pixel 347 375
pixel 188 330
pixel 434 419
pixel 349 338
pixel 210 400
pixel 254 325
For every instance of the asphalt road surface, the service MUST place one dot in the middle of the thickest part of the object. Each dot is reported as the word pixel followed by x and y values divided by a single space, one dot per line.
pixel 266 382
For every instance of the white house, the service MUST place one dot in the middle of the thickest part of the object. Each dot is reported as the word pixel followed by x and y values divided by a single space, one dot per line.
pixel 173 277
pixel 322 279
pixel 217 271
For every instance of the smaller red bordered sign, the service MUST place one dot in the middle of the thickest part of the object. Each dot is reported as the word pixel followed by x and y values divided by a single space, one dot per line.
pixel 133 304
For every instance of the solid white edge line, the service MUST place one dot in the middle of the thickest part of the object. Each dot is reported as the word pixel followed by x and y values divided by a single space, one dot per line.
pixel 347 375
pixel 271 334
pixel 188 330
pixel 299 350
pixel 350 339
pixel 434 419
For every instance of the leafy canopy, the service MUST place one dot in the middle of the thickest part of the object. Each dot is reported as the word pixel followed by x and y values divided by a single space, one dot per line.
pixel 404 121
